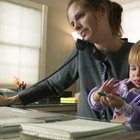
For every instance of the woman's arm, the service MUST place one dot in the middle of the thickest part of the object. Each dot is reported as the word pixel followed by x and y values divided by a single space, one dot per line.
pixel 4 101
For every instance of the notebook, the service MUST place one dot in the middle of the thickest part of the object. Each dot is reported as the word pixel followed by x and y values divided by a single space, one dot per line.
pixel 11 118
pixel 70 129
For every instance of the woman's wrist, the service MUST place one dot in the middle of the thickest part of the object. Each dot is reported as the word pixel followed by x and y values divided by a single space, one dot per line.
pixel 14 100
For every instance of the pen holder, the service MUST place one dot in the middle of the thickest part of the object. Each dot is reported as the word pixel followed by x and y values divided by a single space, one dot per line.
pixel 21 87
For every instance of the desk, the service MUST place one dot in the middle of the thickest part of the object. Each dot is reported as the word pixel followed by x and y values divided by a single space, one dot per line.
pixel 11 132
pixel 122 136
pixel 135 135
pixel 70 109
pixel 15 135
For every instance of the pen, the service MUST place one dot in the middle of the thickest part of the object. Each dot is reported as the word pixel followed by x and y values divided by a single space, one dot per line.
pixel 22 85
pixel 17 82
pixel 105 95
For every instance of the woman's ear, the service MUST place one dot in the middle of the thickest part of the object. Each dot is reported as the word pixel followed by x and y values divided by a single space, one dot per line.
pixel 103 11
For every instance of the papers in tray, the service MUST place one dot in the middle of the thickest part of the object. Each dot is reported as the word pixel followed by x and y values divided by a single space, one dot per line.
pixel 12 124
pixel 11 118
pixel 69 130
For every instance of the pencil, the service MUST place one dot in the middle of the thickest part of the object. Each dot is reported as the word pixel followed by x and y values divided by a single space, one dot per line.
pixel 105 95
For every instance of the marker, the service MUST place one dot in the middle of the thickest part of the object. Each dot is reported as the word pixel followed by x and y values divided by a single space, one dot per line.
pixel 105 95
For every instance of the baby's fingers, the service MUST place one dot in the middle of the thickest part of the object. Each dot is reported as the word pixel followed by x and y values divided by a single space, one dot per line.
pixel 115 101
pixel 104 101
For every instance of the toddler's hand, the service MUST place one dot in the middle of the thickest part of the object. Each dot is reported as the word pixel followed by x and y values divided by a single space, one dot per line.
pixel 115 101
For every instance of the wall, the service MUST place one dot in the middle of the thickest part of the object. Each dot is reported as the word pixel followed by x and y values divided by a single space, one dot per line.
pixel 124 1
pixel 59 39
pixel 130 20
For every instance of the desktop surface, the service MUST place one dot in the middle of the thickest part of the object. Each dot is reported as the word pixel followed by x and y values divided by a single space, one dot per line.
pixel 65 108
pixel 134 135
pixel 16 135
pixel 122 136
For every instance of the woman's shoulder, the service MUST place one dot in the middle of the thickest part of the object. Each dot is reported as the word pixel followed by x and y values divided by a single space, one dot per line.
pixel 127 43
pixel 126 46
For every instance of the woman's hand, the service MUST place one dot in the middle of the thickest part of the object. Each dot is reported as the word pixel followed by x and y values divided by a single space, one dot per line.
pixel 4 101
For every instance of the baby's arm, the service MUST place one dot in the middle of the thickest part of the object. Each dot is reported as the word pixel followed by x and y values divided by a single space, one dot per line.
pixel 132 113
pixel 94 100
pixel 98 102
pixel 133 116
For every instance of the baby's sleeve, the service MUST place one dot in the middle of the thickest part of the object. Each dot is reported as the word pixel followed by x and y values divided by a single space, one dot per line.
pixel 94 105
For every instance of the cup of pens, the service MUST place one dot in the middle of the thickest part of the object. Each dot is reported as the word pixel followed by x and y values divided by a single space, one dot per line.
pixel 19 85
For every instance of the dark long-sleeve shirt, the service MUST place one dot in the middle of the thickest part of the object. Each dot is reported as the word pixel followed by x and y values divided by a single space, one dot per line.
pixel 90 70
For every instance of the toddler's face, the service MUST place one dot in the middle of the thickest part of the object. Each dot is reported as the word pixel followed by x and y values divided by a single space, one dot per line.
pixel 134 74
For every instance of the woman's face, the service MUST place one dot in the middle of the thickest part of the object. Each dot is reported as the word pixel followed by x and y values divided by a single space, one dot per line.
pixel 85 22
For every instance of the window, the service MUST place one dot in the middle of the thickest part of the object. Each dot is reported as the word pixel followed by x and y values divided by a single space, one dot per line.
pixel 22 41
pixel 131 21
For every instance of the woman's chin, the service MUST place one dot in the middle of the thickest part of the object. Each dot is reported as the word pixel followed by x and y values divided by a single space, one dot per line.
pixel 87 39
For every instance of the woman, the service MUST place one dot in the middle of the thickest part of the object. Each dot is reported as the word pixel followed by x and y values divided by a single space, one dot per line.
pixel 99 23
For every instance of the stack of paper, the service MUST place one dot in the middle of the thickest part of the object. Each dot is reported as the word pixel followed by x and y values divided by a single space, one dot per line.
pixel 69 130
pixel 11 118
pixel 12 124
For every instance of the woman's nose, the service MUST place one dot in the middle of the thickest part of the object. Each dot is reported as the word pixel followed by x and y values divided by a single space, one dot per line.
pixel 77 26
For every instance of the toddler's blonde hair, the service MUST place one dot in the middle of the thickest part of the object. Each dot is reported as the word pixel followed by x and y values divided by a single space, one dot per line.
pixel 134 54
